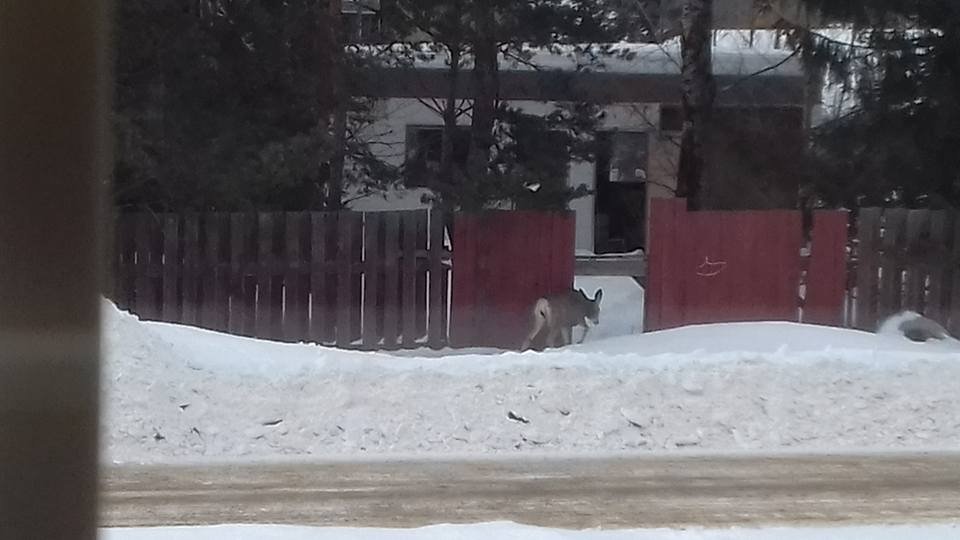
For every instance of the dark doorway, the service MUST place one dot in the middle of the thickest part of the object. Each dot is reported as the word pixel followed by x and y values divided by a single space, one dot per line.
pixel 621 174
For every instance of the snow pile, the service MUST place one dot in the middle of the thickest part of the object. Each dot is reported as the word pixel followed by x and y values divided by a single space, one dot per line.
pixel 175 392
pixel 761 53
pixel 511 531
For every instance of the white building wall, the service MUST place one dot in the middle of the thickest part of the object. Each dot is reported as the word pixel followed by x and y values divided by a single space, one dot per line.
pixel 396 114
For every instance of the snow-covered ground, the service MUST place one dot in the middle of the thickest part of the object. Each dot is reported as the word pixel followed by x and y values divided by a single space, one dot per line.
pixel 511 531
pixel 175 393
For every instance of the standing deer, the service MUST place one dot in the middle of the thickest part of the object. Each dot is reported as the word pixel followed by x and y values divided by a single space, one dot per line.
pixel 555 316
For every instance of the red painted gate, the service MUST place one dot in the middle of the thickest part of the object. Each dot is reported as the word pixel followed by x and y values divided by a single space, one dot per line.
pixel 502 262
pixel 720 266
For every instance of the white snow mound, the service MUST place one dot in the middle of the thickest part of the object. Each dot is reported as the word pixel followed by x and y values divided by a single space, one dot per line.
pixel 175 393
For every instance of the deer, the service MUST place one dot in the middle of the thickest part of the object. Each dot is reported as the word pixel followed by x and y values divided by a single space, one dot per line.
pixel 554 317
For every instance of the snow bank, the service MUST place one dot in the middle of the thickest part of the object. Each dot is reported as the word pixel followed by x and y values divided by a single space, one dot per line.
pixel 176 393
pixel 735 52
pixel 511 531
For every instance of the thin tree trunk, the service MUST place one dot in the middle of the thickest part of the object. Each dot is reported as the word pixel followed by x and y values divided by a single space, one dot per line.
pixel 485 74
pixel 334 188
pixel 698 92
pixel 450 117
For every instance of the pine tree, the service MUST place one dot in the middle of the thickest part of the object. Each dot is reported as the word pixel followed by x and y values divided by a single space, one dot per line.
pixel 900 62
pixel 472 35
pixel 227 105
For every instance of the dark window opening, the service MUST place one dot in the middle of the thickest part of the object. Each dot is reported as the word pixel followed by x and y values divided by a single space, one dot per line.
pixel 621 175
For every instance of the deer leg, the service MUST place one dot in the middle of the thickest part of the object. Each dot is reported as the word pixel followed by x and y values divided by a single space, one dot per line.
pixel 553 338
pixel 586 329
pixel 538 321
pixel 565 333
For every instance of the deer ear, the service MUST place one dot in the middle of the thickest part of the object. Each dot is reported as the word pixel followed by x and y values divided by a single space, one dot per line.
pixel 598 296
pixel 581 292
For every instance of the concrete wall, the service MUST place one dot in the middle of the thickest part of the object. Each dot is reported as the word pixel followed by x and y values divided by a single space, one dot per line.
pixel 398 113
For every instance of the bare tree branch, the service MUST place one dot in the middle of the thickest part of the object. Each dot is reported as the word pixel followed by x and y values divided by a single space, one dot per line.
pixel 643 12
pixel 507 53
pixel 429 105
pixel 671 189
pixel 767 69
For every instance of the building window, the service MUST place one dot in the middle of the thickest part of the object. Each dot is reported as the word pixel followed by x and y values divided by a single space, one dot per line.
pixel 629 157
pixel 621 169
pixel 424 148
pixel 361 21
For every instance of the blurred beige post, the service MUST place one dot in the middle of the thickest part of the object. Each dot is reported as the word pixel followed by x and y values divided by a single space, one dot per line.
pixel 53 163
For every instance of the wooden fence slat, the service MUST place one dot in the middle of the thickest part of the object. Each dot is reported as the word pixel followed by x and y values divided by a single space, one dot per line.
pixel 276 276
pixel 345 240
pixel 918 223
pixel 936 302
pixel 238 257
pixel 235 286
pixel 391 286
pixel 265 258
pixel 171 268
pixel 127 273
pixel 436 330
pixel 113 289
pixel 141 258
pixel 372 267
pixel 422 261
pixel 319 291
pixel 954 322
pixel 295 306
pixel 792 229
pixel 409 279
pixel 356 280
pixel 224 277
pixel 148 267
pixel 891 296
pixel 191 268
pixel 868 236
pixel 214 301
pixel 221 285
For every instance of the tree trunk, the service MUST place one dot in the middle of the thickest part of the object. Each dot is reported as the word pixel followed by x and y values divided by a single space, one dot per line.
pixel 339 100
pixel 485 74
pixel 450 118
pixel 697 95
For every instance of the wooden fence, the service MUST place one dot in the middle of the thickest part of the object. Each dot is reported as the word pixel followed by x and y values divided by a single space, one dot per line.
pixel 906 259
pixel 504 261
pixel 370 280
pixel 720 266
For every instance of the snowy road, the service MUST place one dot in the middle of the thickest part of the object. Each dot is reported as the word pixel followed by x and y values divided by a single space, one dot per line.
pixel 567 493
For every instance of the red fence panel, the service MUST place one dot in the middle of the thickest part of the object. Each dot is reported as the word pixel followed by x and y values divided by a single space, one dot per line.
pixel 502 262
pixel 826 286
pixel 719 266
